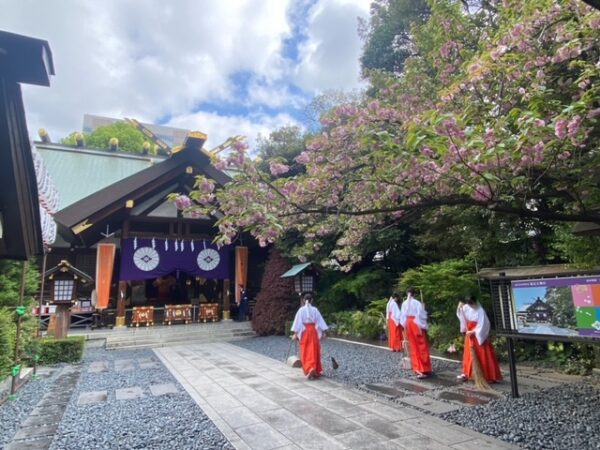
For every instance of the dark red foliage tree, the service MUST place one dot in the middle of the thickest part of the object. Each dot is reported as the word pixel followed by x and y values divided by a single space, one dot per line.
pixel 276 302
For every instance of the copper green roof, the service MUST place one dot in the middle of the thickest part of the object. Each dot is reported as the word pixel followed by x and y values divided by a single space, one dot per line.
pixel 79 172
pixel 295 270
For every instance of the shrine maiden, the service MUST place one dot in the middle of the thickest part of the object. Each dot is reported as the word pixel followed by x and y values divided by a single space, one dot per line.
pixel 475 324
pixel 392 313
pixel 413 319
pixel 309 327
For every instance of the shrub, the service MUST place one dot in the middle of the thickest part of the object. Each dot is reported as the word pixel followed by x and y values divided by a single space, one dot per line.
pixel 276 301
pixel 341 291
pixel 68 350
pixel 7 341
pixel 369 324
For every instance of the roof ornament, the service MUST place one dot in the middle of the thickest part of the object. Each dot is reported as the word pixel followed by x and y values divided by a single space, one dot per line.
pixel 108 233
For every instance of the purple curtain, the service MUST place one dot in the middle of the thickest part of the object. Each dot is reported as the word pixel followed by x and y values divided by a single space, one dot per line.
pixel 143 259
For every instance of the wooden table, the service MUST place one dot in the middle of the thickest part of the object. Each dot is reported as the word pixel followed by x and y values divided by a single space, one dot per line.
pixel 143 314
pixel 178 313
pixel 209 312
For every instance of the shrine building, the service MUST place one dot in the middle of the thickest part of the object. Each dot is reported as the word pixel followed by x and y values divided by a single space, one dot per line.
pixel 150 263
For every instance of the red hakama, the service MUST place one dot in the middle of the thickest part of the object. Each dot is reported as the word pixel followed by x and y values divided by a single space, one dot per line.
pixel 394 334
pixel 485 354
pixel 419 347
pixel 310 350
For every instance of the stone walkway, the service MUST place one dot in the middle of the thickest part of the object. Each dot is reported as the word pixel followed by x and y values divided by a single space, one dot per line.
pixel 260 403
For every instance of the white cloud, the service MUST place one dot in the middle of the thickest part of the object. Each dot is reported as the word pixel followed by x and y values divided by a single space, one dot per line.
pixel 330 55
pixel 151 59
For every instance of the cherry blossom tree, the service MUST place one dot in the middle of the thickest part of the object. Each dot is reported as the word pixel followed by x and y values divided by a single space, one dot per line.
pixel 502 115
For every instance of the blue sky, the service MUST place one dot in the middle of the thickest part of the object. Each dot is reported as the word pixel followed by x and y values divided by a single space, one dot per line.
pixel 222 67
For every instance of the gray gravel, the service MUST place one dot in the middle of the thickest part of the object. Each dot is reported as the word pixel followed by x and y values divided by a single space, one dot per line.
pixel 171 421
pixel 566 417
pixel 358 364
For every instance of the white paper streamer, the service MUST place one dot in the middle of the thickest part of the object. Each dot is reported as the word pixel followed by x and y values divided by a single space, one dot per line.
pixel 153 244
pixel 192 245
pixel 182 245
pixel 135 243
pixel 166 245
pixel 176 245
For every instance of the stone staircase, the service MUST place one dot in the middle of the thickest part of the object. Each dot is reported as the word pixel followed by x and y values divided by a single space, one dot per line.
pixel 164 336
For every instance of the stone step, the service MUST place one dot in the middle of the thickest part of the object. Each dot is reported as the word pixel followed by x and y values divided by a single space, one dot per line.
pixel 148 344
pixel 153 341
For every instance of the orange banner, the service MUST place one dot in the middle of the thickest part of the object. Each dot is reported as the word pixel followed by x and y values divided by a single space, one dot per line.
pixel 241 270
pixel 104 271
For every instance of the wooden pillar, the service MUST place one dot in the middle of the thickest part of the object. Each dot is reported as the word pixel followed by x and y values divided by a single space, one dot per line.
pixel 63 320
pixel 120 321
pixel 226 312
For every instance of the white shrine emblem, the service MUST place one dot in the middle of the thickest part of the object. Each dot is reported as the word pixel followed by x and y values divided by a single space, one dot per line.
pixel 146 258
pixel 208 259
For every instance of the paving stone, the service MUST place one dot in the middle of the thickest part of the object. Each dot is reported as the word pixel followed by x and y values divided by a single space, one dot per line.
pixel 381 426
pixel 51 400
pixel 36 421
pixel 124 365
pixel 48 410
pixel 447 433
pixel 86 398
pixel 148 365
pixel 262 437
pixel 41 443
pixel 130 393
pixel 420 442
pixel 162 389
pixel 240 417
pixel 429 404
pixel 36 431
pixel 359 439
pixel 410 386
pixel 98 366
pixel 462 398
pixel 386 390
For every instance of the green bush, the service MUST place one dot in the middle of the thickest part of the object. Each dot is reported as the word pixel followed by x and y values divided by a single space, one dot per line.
pixel 68 350
pixel 443 335
pixel 369 324
pixel 7 341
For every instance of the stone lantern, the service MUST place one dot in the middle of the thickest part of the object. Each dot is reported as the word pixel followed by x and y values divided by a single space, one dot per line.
pixel 305 277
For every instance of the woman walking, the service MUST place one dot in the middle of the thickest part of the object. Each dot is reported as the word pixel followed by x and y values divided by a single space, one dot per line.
pixel 413 318
pixel 395 330
pixel 309 328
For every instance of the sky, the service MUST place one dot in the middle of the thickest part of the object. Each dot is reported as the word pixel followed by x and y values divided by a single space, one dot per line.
pixel 223 67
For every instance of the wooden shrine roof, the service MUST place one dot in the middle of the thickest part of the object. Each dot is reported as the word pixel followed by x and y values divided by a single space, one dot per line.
pixel 85 220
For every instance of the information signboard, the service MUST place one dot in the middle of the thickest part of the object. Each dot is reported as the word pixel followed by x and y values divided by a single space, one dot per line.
pixel 557 306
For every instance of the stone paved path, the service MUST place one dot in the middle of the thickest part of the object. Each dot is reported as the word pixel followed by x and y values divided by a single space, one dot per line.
pixel 260 403
pixel 37 431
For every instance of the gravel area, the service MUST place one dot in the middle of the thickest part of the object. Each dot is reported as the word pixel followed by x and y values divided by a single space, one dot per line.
pixel 358 364
pixel 171 420
pixel 566 417
pixel 12 412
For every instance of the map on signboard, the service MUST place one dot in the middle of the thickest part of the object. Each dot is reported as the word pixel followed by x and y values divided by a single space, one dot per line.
pixel 558 306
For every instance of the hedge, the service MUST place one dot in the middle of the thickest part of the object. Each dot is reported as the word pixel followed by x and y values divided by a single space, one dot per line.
pixel 68 350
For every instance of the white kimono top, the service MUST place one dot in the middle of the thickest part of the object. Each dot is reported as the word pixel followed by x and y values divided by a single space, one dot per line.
pixel 413 307
pixel 392 310
pixel 469 314
pixel 308 314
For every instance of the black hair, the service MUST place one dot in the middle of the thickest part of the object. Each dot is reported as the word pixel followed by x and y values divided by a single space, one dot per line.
pixel 307 297
pixel 470 300
pixel 395 295
pixel 410 291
